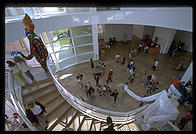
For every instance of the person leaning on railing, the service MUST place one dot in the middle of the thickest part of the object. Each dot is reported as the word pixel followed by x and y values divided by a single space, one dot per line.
pixel 110 125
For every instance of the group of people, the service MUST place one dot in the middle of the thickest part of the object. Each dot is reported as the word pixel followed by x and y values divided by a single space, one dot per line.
pixel 17 66
pixel 131 70
pixel 102 90
pixel 175 48
pixel 143 48
pixel 35 113
pixel 14 122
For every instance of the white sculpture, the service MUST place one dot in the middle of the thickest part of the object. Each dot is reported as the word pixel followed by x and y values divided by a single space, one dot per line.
pixel 163 109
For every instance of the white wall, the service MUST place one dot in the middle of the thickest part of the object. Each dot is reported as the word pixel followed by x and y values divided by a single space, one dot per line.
pixel 165 37
pixel 185 37
pixel 118 31
pixel 149 30
pixel 138 31
pixel 176 18
pixel 95 42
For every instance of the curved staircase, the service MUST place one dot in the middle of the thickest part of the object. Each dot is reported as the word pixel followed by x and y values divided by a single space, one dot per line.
pixel 60 114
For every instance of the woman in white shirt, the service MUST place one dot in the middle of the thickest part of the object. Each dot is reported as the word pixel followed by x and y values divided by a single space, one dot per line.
pixel 13 68
pixel 22 65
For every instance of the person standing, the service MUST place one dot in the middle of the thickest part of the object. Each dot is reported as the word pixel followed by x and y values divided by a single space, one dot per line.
pixel 13 68
pixel 109 77
pixel 37 47
pixel 140 47
pixel 185 120
pixel 97 80
pixel 155 64
pixel 22 65
pixel 123 60
pixel 91 62
pixel 118 57
pixel 115 94
pixel 128 67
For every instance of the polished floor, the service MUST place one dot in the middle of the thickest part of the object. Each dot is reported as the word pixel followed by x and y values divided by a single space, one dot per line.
pixel 164 74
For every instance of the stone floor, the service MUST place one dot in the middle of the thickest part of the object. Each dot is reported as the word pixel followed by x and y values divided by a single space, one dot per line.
pixel 164 74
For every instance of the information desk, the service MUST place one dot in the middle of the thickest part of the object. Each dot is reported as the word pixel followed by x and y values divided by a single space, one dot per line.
pixel 154 50
pixel 97 71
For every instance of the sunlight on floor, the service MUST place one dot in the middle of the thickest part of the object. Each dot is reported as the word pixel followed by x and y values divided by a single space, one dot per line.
pixel 65 76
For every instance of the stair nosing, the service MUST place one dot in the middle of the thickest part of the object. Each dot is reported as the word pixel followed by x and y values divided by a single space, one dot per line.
pixel 36 90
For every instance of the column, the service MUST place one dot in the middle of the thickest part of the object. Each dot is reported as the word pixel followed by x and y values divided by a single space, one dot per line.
pixel 95 41
pixel 165 38
pixel 188 74
pixel 138 31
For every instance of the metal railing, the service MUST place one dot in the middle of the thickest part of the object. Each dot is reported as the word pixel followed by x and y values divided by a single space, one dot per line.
pixel 16 97
pixel 90 110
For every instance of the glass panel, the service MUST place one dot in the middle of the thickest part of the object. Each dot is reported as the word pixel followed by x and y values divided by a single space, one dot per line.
pixel 107 8
pixel 51 10
pixel 85 57
pixel 59 34
pixel 75 10
pixel 83 40
pixel 12 13
pixel 67 62
pixel 84 49
pixel 60 39
pixel 81 30
pixel 65 54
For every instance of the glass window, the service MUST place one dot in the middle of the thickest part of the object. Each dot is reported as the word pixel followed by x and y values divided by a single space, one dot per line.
pixel 59 34
pixel 51 10
pixel 107 8
pixel 67 62
pixel 78 9
pixel 64 54
pixel 85 57
pixel 84 49
pixel 14 13
pixel 81 30
pixel 83 40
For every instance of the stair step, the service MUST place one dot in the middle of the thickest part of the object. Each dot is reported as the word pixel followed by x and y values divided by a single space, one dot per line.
pixel 46 99
pixel 36 83
pixel 52 107
pixel 31 92
pixel 39 95
pixel 55 115
pixel 60 118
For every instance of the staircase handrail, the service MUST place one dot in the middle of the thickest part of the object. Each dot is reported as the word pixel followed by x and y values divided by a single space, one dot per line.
pixel 17 104
pixel 90 110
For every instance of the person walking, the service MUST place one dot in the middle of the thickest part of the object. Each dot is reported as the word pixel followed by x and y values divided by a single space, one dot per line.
pixel 13 68
pixel 91 62
pixel 155 64
pixel 23 66
pixel 35 113
pixel 128 67
pixel 97 80
pixel 131 75
pixel 123 60
pixel 118 58
pixel 109 77
pixel 115 94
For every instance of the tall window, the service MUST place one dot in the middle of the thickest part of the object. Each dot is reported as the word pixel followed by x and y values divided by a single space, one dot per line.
pixel 72 45
pixel 107 8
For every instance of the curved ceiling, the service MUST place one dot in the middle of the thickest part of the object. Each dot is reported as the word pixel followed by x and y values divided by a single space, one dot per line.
pixel 174 18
